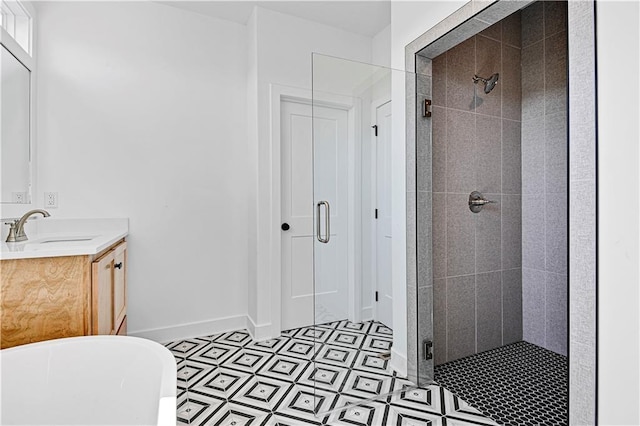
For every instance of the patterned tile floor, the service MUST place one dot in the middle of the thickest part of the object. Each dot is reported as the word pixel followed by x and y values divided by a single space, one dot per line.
pixel 516 384
pixel 229 379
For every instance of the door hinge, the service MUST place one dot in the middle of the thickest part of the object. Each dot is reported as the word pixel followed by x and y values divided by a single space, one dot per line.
pixel 375 129
pixel 376 296
pixel 428 346
pixel 426 108
pixel 376 214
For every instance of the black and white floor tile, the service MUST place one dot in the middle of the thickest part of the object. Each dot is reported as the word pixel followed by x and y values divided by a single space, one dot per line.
pixel 516 384
pixel 331 369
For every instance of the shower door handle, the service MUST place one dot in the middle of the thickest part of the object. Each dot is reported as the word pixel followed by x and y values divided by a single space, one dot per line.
pixel 327 222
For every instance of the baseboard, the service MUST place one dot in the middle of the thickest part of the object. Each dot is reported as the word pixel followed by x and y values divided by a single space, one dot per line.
pixel 399 363
pixel 367 313
pixel 194 329
pixel 259 331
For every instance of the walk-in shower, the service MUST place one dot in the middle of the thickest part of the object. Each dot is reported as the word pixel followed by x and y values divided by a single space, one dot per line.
pixel 498 270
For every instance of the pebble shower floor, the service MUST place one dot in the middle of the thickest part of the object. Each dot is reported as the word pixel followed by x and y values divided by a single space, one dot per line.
pixel 229 379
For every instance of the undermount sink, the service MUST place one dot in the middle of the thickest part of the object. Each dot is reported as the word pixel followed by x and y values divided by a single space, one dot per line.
pixel 61 241
pixel 64 240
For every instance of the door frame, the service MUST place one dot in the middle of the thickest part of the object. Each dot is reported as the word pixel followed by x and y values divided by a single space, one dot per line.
pixel 279 93
pixel 375 104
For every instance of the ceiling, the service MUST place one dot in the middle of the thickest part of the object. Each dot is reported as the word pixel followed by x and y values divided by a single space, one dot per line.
pixel 365 17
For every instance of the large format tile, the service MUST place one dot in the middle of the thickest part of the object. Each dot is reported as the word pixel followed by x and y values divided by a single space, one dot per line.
pixel 494 31
pixel 461 151
pixel 460 70
pixel 533 153
pixel 511 157
pixel 412 333
pixel 533 81
pixel 533 232
pixel 533 306
pixel 439 235
pixel 460 236
pixel 425 332
pixel 425 245
pixel 424 154
pixel 557 315
pixel 488 163
pixel 489 310
pixel 489 236
pixel 555 73
pixel 555 17
pixel 461 314
pixel 488 62
pixel 512 30
pixel 511 231
pixel 423 85
pixel 423 65
pixel 439 149
pixel 582 248
pixel 511 81
pixel 556 153
pixel 556 227
pixel 532 24
pixel 511 306
pixel 440 320
pixel 439 82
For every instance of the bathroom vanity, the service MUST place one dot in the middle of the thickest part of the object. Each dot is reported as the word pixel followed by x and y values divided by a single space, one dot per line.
pixel 68 279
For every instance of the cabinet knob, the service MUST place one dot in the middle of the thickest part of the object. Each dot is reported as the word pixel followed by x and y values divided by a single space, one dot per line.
pixel 118 265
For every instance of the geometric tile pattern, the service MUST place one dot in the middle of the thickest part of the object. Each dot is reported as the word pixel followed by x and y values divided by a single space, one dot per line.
pixel 516 384
pixel 305 377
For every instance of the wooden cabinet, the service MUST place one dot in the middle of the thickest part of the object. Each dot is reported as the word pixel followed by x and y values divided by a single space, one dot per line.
pixel 108 291
pixel 49 298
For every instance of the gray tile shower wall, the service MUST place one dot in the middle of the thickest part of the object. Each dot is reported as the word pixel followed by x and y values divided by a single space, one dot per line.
pixel 477 258
pixel 544 175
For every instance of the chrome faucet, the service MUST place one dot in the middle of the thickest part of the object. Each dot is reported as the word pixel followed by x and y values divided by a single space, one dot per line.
pixel 16 230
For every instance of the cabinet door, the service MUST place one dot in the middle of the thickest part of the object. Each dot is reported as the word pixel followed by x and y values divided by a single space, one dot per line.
pixel 103 321
pixel 119 284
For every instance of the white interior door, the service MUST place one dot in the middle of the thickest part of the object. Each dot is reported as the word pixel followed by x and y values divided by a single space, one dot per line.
pixel 384 312
pixel 298 209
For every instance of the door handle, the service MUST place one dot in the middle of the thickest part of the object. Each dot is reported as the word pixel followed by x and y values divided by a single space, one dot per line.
pixel 327 222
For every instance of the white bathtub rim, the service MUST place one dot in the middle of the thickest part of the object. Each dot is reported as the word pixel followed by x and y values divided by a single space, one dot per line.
pixel 167 382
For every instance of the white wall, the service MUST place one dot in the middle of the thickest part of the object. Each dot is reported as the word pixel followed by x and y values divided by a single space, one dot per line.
pixel 618 136
pixel 142 115
pixel 283 58
pixel 381 47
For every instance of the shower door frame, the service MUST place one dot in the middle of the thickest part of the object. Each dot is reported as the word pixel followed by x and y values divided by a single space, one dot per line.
pixel 467 21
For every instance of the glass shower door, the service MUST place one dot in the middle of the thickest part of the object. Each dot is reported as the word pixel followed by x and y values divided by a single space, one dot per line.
pixel 360 313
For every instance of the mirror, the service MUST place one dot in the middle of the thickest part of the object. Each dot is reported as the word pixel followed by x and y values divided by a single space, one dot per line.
pixel 15 130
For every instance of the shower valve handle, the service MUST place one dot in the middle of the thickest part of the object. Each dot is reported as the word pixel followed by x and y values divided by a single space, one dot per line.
pixel 477 202
pixel 481 202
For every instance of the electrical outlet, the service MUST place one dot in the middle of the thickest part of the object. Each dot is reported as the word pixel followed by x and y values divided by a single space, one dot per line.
pixel 19 197
pixel 51 200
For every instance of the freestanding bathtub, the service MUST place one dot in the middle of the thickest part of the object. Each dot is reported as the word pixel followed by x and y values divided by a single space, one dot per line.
pixel 94 380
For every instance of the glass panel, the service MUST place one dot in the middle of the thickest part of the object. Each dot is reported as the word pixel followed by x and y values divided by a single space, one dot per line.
pixel 360 314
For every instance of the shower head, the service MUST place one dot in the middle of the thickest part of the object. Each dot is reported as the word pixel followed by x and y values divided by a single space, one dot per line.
pixel 489 83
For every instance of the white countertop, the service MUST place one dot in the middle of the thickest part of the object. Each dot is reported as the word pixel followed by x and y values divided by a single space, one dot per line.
pixel 50 237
